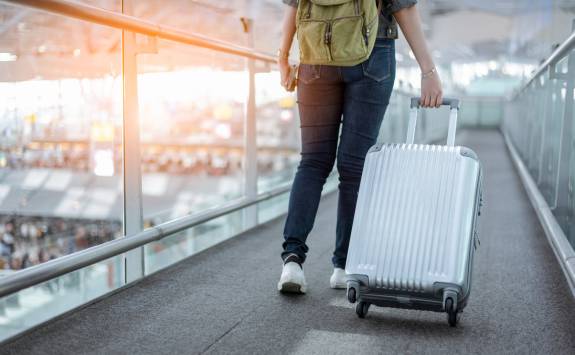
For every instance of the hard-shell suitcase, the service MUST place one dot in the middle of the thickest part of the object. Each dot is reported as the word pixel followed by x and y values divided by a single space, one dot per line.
pixel 415 226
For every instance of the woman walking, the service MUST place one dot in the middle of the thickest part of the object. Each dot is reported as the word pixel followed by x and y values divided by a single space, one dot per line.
pixel 355 97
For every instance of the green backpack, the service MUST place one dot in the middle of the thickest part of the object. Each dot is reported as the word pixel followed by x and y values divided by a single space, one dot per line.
pixel 336 32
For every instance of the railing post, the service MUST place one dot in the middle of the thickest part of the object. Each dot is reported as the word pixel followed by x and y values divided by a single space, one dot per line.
pixel 250 135
pixel 133 212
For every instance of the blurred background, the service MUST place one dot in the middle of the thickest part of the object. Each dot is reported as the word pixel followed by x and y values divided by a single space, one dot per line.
pixel 61 107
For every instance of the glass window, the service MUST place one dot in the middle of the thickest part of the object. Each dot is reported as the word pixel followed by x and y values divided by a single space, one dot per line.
pixel 565 207
pixel 174 248
pixel 60 136
pixel 192 109
pixel 536 124
pixel 60 158
pixel 554 108
pixel 192 105
pixel 278 132
pixel 32 306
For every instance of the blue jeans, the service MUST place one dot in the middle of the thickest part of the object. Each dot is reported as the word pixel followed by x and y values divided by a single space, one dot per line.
pixel 360 94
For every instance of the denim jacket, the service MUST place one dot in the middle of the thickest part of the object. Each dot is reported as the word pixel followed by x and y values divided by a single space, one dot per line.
pixel 387 27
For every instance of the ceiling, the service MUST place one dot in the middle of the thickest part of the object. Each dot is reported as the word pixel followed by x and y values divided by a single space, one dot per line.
pixel 519 30
pixel 51 46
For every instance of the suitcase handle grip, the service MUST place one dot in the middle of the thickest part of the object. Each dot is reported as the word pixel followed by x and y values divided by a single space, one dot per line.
pixel 452 103
pixel 454 110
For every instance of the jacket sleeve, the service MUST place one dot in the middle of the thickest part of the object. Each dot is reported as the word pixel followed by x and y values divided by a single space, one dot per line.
pixel 290 2
pixel 395 5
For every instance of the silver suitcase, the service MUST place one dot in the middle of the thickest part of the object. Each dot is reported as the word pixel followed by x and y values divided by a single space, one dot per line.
pixel 415 226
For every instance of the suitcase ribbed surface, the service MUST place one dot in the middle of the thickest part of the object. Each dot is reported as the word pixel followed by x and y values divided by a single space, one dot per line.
pixel 414 217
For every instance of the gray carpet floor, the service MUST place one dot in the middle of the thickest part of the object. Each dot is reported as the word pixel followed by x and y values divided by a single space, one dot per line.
pixel 224 300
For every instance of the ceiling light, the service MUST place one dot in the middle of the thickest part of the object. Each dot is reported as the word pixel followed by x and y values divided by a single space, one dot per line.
pixel 7 57
pixel 77 52
pixel 42 49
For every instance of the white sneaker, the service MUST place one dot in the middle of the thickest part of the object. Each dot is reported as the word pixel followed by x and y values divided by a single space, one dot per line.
pixel 292 279
pixel 338 279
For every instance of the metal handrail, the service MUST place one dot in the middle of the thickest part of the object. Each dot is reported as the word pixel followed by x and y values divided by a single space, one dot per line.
pixel 72 262
pixel 557 55
pixel 117 20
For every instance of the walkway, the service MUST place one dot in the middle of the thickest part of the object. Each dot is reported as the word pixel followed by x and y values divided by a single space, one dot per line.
pixel 224 300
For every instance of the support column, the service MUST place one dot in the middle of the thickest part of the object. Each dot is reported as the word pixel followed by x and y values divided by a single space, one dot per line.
pixel 250 135
pixel 133 212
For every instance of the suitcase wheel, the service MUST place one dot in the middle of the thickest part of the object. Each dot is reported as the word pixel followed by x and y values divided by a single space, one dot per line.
pixel 361 309
pixel 451 312
pixel 351 295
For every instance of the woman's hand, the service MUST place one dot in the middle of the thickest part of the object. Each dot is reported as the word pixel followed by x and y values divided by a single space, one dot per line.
pixel 284 68
pixel 431 92
pixel 410 23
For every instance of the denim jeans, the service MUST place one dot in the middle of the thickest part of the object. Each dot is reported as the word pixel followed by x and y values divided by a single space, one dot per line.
pixel 354 98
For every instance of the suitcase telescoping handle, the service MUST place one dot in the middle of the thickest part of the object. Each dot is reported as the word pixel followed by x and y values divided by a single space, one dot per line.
pixel 454 108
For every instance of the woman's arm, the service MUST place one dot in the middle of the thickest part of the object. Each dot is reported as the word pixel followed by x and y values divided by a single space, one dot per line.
pixel 410 23
pixel 288 31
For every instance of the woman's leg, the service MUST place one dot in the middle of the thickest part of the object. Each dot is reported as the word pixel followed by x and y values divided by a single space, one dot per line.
pixel 320 100
pixel 367 92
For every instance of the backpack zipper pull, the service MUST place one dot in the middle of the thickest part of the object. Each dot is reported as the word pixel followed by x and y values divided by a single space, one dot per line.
pixel 327 37
pixel 366 36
